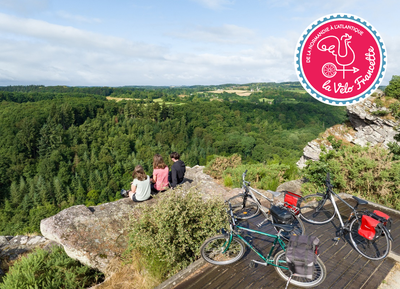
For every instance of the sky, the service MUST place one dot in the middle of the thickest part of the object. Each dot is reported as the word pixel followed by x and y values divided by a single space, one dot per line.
pixel 179 42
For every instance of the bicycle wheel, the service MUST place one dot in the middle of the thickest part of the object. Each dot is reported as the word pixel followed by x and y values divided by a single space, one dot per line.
pixel 244 210
pixel 373 250
pixel 299 228
pixel 317 210
pixel 218 251
pixel 319 272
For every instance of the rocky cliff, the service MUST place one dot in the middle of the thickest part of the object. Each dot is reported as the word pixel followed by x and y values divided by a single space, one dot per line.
pixel 97 236
pixel 12 247
pixel 364 128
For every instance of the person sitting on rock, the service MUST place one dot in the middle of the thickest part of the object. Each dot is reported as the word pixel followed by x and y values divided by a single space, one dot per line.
pixel 140 187
pixel 178 170
pixel 159 180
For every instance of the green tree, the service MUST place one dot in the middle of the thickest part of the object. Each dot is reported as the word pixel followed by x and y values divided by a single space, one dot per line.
pixel 393 89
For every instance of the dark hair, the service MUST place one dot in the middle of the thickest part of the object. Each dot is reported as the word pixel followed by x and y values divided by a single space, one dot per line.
pixel 158 162
pixel 139 173
pixel 175 155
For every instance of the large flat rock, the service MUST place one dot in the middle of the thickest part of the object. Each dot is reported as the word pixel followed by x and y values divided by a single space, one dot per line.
pixel 94 235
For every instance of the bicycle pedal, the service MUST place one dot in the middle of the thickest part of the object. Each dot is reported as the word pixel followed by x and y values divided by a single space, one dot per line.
pixel 259 263
pixel 336 239
pixel 261 223
pixel 252 264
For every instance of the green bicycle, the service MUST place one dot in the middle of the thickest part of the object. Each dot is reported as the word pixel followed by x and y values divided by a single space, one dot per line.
pixel 230 247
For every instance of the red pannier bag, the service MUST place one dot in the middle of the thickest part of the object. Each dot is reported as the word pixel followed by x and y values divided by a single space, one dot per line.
pixel 292 201
pixel 369 228
pixel 387 222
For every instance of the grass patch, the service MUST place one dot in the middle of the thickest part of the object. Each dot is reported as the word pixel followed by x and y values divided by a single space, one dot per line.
pixel 43 269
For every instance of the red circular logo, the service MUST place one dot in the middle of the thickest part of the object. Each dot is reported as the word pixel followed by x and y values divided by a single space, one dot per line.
pixel 340 59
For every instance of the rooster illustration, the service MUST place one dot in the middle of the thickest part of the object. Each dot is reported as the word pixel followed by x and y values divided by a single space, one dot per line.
pixel 341 50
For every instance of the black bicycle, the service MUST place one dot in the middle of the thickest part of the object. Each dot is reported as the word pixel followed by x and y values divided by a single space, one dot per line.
pixel 321 208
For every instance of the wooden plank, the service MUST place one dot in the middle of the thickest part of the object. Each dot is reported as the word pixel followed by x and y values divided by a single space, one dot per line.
pixel 362 280
pixel 345 267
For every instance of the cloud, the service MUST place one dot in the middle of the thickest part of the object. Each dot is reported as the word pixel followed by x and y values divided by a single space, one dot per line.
pixel 214 4
pixel 24 6
pixel 69 36
pixel 226 33
pixel 52 64
pixel 77 18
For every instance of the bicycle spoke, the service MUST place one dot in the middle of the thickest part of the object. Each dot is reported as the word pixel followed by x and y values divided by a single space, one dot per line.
pixel 374 250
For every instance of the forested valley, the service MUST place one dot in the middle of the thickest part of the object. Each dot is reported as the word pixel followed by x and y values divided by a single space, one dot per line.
pixel 64 146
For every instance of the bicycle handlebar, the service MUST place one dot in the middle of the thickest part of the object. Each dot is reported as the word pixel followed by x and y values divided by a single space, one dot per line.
pixel 244 175
pixel 328 181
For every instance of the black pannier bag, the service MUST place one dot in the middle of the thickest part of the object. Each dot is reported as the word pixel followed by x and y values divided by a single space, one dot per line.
pixel 281 216
pixel 370 228
pixel 301 255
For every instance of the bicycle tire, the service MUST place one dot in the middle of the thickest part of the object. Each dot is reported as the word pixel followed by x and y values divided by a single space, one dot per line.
pixel 244 210
pixel 299 228
pixel 214 250
pixel 311 210
pixel 372 250
pixel 319 272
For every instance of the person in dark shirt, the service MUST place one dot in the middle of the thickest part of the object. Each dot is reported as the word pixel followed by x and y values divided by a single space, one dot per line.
pixel 178 170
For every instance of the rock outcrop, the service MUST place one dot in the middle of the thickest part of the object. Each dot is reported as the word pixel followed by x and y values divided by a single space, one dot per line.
pixel 11 247
pixel 314 148
pixel 194 177
pixel 370 128
pixel 291 186
pixel 97 235
pixel 93 235
pixel 366 129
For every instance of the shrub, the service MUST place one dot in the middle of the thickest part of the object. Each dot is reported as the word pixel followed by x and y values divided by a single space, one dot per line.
pixel 262 176
pixel 395 109
pixel 43 269
pixel 393 89
pixel 379 102
pixel 219 164
pixel 366 171
pixel 170 233
pixel 228 181
pixel 380 112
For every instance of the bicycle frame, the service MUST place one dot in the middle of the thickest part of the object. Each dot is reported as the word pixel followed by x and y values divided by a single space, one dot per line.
pixel 331 195
pixel 354 214
pixel 249 191
pixel 268 260
pixel 234 232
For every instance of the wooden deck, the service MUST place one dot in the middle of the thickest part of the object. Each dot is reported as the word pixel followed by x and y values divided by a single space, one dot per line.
pixel 345 267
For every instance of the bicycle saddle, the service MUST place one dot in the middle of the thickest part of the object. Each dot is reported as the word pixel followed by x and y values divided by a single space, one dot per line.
pixel 275 194
pixel 287 228
pixel 360 201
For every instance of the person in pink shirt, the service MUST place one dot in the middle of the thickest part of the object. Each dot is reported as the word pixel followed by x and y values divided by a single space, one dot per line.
pixel 159 182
